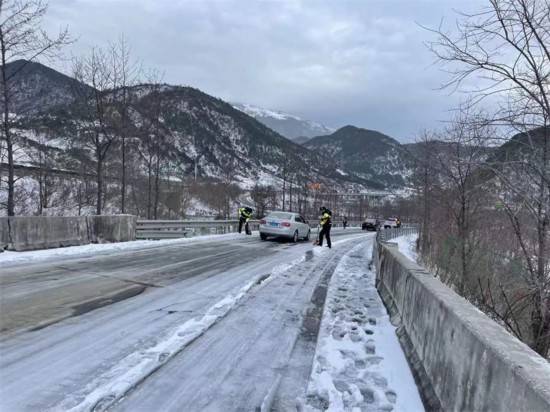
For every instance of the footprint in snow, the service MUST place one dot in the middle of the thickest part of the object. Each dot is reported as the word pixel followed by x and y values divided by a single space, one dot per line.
pixel 370 347
pixel 348 353
pixel 391 396
pixel 338 334
pixel 341 386
pixel 337 309
pixel 360 363
pixel 378 379
pixel 318 402
pixel 374 360
pixel 355 337
pixel 367 393
pixel 351 371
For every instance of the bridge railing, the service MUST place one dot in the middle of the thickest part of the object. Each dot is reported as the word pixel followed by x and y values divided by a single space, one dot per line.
pixel 386 235
pixel 174 229
pixel 451 344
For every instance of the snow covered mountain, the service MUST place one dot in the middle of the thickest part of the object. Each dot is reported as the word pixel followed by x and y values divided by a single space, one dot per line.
pixel 38 87
pixel 226 143
pixel 288 125
pixel 372 155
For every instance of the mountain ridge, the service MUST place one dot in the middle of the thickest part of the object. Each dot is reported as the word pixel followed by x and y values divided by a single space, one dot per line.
pixel 291 126
pixel 198 127
pixel 382 160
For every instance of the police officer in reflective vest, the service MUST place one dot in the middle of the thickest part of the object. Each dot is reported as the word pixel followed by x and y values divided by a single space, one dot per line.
pixel 326 224
pixel 245 213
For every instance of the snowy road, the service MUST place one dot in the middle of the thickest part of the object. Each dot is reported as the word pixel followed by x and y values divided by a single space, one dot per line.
pixel 205 325
pixel 46 290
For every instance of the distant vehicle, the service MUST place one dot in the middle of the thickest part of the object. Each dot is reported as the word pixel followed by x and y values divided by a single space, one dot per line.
pixel 392 223
pixel 370 224
pixel 284 224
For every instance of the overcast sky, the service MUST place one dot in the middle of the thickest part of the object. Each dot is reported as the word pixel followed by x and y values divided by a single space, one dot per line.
pixel 338 62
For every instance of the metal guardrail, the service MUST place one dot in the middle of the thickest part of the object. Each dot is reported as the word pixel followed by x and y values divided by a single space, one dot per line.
pixel 384 235
pixel 174 229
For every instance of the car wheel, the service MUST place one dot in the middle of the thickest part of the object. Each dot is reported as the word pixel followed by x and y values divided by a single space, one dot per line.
pixel 263 236
pixel 295 237
pixel 308 234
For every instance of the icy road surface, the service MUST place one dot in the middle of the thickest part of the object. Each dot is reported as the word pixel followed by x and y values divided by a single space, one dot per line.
pixel 215 324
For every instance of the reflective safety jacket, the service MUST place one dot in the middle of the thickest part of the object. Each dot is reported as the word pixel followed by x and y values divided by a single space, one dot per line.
pixel 325 219
pixel 245 214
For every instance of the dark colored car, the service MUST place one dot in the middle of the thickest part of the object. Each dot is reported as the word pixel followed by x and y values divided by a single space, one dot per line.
pixel 370 224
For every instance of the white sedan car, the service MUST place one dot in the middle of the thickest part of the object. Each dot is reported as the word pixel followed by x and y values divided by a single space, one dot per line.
pixel 392 223
pixel 284 224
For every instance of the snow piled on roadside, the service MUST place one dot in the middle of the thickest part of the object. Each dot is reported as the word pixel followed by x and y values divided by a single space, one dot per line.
pixel 94 249
pixel 359 364
pixel 407 246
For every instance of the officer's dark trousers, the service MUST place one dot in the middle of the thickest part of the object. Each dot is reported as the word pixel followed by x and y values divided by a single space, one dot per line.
pixel 242 221
pixel 325 232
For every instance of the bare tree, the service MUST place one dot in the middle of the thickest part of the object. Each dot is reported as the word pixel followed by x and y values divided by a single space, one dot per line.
pixel 423 179
pixel 94 104
pixel 506 48
pixel 263 197
pixel 20 38
pixel 126 74
pixel 153 137
pixel 459 171
pixel 46 182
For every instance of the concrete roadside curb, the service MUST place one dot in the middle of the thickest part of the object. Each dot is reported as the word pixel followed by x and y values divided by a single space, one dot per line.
pixel 20 233
pixel 465 359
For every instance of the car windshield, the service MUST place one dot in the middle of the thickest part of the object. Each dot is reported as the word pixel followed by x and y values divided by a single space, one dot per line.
pixel 279 215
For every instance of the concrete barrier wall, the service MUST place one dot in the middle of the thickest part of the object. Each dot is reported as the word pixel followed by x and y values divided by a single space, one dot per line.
pixel 117 228
pixel 462 359
pixel 40 232
pixel 4 234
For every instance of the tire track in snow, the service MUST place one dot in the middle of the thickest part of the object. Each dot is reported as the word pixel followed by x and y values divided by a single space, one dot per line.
pixel 114 384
